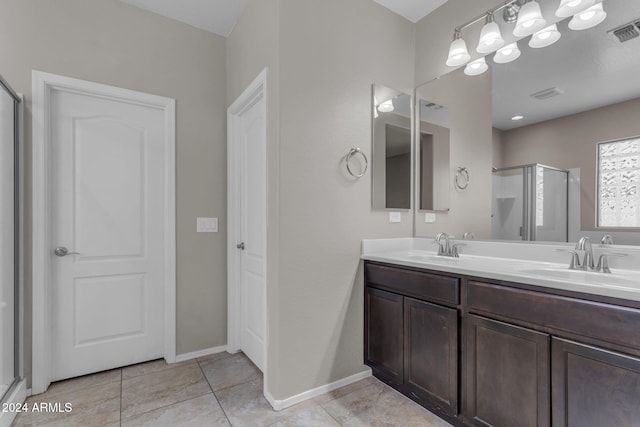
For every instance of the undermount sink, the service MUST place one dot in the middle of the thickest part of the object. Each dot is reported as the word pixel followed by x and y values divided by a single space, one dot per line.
pixel 429 258
pixel 586 277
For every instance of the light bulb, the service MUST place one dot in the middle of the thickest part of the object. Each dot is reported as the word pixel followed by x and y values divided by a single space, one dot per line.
pixel 386 106
pixel 588 18
pixel 490 37
pixel 476 67
pixel 458 53
pixel 530 19
pixel 507 54
pixel 545 37
pixel 569 8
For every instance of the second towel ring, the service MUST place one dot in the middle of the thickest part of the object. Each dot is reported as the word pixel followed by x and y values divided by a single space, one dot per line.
pixel 352 153
pixel 462 178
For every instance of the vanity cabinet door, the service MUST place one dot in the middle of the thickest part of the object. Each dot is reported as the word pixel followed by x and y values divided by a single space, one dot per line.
pixel 383 334
pixel 507 375
pixel 593 387
pixel 431 353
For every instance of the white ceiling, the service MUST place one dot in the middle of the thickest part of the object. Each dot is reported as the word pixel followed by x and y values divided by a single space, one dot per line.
pixel 219 16
pixel 215 16
pixel 413 10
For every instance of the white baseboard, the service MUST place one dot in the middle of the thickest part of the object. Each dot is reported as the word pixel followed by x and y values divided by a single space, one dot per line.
pixel 200 353
pixel 279 405
pixel 18 395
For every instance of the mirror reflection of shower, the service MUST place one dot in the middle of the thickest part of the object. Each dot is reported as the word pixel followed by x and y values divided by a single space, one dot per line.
pixel 530 202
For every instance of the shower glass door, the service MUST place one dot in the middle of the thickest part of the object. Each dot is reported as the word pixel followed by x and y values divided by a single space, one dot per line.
pixel 530 202
pixel 9 202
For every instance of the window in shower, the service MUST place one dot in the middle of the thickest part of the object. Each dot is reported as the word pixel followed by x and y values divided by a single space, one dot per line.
pixel 618 182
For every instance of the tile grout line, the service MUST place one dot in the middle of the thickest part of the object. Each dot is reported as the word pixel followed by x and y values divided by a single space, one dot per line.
pixel 214 393
pixel 165 406
pixel 121 388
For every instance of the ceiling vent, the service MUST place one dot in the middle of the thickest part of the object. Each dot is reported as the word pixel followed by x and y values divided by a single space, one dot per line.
pixel 627 31
pixel 547 93
pixel 432 106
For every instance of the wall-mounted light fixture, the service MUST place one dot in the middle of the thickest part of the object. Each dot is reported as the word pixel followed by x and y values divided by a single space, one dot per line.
pixel 588 18
pixel 476 67
pixel 386 106
pixel 529 20
pixel 490 36
pixel 458 53
pixel 545 37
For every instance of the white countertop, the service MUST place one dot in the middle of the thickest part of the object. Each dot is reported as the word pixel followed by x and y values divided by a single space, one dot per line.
pixel 533 264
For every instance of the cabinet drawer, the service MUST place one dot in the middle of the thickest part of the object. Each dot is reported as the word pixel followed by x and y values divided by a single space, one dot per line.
pixel 611 323
pixel 414 283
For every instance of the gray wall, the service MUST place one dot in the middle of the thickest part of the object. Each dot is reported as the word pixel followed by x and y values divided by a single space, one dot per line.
pixel 323 57
pixel 469 103
pixel 570 142
pixel 108 42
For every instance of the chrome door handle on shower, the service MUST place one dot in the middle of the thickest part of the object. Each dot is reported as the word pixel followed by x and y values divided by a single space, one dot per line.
pixel 62 251
pixel 240 246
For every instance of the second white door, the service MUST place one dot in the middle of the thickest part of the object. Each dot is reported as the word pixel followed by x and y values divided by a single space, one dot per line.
pixel 252 216
pixel 107 238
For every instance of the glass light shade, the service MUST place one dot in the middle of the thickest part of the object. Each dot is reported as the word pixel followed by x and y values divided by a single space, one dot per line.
pixel 545 37
pixel 507 54
pixel 569 8
pixel 530 19
pixel 490 38
pixel 476 67
pixel 588 18
pixel 386 106
pixel 458 53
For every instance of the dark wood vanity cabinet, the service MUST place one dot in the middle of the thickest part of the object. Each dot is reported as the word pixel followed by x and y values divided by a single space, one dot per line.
pixel 384 317
pixel 507 374
pixel 412 343
pixel 507 354
pixel 593 387
pixel 431 353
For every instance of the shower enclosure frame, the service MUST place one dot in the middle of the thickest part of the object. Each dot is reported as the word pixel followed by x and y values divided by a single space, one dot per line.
pixel 529 203
pixel 16 391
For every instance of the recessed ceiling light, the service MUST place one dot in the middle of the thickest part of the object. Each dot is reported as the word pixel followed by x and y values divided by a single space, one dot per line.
pixel 517 117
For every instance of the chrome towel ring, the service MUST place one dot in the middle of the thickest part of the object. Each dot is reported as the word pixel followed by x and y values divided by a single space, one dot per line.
pixel 352 153
pixel 462 178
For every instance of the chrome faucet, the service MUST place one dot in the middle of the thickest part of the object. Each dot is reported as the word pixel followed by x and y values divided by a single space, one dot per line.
pixel 447 249
pixel 606 240
pixel 584 244
pixel 443 249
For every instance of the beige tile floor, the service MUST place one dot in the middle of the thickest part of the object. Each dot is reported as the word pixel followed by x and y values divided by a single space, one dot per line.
pixel 218 390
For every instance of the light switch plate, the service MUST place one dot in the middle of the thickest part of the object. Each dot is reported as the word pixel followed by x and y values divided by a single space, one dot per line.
pixel 207 225
pixel 395 217
pixel 429 217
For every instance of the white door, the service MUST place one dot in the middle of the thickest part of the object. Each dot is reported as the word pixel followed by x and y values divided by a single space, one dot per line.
pixel 248 224
pixel 107 207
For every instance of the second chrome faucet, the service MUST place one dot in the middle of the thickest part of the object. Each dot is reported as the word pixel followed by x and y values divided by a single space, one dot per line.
pixel 584 244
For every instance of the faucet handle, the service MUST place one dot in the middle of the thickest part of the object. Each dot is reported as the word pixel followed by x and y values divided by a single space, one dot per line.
pixel 606 240
pixel 575 259
pixel 603 261
pixel 454 249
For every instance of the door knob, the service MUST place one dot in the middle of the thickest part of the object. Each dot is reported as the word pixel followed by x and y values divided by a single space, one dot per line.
pixel 240 246
pixel 62 251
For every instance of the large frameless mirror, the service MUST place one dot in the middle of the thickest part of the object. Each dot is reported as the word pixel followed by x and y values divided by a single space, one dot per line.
pixel 557 109
pixel 432 151
pixel 392 153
